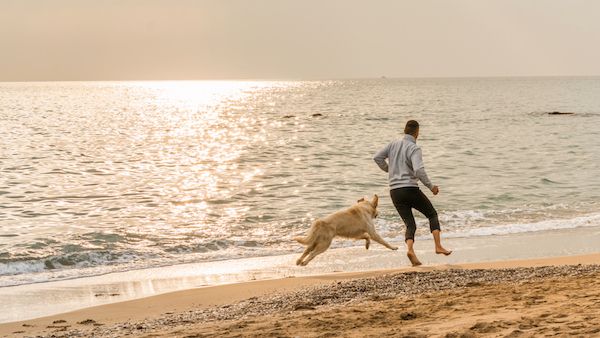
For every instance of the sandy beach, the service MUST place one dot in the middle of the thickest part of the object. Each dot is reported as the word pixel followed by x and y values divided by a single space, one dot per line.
pixel 554 296
pixel 299 169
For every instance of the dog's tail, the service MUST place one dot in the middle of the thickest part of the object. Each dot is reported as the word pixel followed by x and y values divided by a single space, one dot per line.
pixel 311 236
pixel 301 240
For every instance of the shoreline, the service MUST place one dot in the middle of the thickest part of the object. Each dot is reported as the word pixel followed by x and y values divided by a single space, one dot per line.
pixel 31 301
pixel 159 307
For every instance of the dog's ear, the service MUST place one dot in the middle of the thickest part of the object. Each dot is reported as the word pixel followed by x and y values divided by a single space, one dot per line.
pixel 360 200
pixel 375 200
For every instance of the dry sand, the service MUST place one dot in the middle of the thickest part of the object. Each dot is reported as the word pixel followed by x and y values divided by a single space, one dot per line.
pixel 556 296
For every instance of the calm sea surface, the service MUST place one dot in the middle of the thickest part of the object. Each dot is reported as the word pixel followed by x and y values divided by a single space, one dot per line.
pixel 108 176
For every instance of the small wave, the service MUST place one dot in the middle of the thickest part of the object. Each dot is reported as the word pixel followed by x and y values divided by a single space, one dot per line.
pixel 71 260
pixel 475 223
pixel 14 273
pixel 22 267
pixel 592 220
pixel 502 197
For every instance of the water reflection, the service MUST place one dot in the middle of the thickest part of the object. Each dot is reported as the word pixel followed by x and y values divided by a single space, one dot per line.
pixel 119 175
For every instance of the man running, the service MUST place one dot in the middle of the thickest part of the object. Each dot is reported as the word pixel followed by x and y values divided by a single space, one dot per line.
pixel 405 168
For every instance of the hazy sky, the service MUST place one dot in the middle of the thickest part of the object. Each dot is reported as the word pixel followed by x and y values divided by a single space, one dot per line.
pixel 224 39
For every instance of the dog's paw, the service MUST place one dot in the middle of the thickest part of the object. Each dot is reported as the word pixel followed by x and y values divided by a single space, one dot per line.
pixel 394 248
pixel 367 245
pixel 298 262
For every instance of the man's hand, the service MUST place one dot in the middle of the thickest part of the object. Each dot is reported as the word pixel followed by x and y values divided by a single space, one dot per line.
pixel 435 190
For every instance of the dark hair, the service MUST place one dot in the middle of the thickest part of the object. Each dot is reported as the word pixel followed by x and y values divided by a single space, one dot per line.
pixel 411 127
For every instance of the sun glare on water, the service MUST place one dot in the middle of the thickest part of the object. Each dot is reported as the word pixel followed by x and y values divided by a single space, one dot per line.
pixel 201 130
pixel 201 94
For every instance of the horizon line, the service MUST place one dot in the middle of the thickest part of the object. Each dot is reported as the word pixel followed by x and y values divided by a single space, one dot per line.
pixel 383 77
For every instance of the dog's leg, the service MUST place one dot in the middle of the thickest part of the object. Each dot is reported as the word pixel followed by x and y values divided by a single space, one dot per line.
pixel 367 239
pixel 380 240
pixel 309 248
pixel 320 248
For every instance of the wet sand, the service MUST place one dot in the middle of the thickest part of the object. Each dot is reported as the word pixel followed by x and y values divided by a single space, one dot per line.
pixel 556 296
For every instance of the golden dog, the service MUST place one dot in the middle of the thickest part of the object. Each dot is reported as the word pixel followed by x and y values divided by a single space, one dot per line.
pixel 355 222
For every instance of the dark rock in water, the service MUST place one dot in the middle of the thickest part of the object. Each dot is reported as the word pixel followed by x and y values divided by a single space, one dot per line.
pixel 560 113
pixel 59 321
pixel 317 115
pixel 87 322
pixel 288 116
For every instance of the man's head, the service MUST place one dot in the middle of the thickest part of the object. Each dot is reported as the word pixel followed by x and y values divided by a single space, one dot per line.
pixel 412 128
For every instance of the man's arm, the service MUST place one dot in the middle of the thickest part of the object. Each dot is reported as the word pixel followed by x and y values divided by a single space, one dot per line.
pixel 380 158
pixel 419 168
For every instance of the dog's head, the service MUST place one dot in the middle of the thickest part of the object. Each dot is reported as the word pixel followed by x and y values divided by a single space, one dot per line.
pixel 372 204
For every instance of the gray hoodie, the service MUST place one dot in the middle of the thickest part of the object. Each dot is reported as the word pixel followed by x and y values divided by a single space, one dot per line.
pixel 405 163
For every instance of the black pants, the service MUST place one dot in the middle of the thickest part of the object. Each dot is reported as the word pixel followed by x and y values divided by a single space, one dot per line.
pixel 405 199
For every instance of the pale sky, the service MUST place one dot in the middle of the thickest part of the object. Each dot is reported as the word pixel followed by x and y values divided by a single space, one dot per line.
pixel 302 39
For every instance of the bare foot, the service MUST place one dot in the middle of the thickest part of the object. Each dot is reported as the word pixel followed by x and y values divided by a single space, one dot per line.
pixel 413 259
pixel 443 251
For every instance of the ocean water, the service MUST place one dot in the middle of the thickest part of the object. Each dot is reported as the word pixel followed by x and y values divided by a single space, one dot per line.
pixel 111 176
